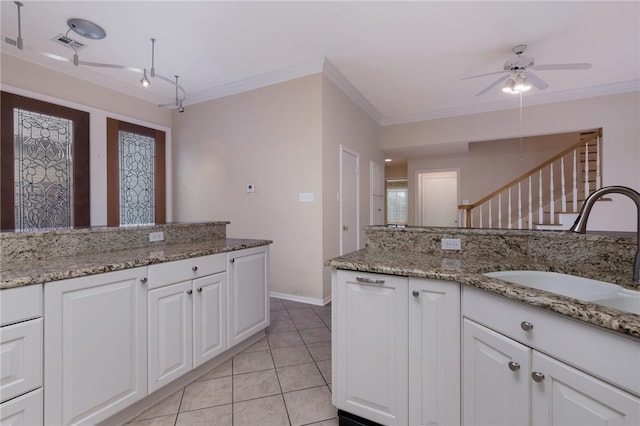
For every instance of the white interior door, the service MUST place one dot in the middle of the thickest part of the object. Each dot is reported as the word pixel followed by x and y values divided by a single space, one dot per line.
pixel 349 200
pixel 376 193
pixel 438 198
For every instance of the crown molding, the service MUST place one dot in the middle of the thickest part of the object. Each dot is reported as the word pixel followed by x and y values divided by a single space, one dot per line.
pixel 345 85
pixel 256 82
pixel 542 99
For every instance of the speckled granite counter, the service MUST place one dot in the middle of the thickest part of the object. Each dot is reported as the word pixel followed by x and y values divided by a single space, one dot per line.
pixel 43 256
pixel 42 271
pixel 389 253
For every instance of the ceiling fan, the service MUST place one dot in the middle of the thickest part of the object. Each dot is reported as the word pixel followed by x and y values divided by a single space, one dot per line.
pixel 518 72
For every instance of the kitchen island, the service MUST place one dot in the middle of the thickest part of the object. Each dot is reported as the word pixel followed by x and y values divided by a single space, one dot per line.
pixel 444 344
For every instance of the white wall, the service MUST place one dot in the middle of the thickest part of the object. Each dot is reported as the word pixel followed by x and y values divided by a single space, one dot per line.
pixel 617 115
pixel 344 123
pixel 270 137
pixel 30 80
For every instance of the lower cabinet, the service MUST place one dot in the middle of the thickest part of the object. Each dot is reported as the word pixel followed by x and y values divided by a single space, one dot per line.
pixel 396 348
pixel 248 273
pixel 21 356
pixel 95 340
pixel 187 327
pixel 506 382
pixel 25 410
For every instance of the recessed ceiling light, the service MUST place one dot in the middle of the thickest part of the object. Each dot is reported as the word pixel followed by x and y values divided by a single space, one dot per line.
pixel 387 160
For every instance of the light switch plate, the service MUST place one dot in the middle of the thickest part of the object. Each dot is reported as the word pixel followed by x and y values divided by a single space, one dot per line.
pixel 305 197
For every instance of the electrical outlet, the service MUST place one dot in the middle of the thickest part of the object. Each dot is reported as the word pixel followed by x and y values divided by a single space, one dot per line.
pixel 451 244
pixel 156 236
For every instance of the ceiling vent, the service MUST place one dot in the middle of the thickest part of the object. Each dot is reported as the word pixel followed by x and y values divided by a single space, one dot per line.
pixel 68 42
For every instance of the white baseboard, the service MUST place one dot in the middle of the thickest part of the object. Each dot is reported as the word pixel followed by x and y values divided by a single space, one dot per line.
pixel 301 299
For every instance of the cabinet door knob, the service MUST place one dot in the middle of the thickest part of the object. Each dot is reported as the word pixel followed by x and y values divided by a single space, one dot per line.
pixel 189 291
pixel 194 268
pixel 199 289
pixel 232 260
pixel 143 280
pixel 416 293
pixel 537 376
pixel 514 366
pixel 526 326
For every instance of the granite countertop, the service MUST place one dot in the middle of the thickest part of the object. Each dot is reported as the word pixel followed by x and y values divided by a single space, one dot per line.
pixel 468 270
pixel 41 271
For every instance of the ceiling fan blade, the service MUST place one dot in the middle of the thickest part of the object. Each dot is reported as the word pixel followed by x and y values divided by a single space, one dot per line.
pixel 576 66
pixel 492 85
pixel 537 82
pixel 483 75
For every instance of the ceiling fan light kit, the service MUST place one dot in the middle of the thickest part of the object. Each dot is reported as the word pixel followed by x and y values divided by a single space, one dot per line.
pixel 93 31
pixel 520 77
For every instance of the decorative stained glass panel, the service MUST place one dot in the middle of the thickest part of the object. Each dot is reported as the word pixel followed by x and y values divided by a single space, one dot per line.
pixel 43 153
pixel 137 171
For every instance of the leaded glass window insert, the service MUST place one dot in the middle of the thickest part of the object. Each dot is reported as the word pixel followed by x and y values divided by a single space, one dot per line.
pixel 137 179
pixel 43 169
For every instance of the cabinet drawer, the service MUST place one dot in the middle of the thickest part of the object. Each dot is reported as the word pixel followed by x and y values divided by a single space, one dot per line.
pixel 20 304
pixel 26 410
pixel 21 358
pixel 605 354
pixel 184 270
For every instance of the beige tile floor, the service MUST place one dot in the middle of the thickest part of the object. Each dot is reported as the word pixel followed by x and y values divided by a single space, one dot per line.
pixel 284 379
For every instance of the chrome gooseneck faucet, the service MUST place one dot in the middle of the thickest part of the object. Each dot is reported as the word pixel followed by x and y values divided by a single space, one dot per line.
pixel 580 225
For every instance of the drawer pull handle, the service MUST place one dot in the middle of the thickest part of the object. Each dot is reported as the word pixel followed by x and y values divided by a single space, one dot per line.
pixel 514 366
pixel 143 280
pixel 199 289
pixel 526 326
pixel 369 280
pixel 189 291
pixel 537 376
pixel 194 269
pixel 416 293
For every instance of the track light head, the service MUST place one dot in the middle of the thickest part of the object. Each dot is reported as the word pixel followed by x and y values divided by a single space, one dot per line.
pixel 144 80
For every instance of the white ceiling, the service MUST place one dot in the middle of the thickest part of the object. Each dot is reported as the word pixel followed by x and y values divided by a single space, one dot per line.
pixel 405 60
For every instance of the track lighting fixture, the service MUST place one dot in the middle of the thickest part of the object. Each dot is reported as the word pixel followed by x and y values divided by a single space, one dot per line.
pixel 144 80
pixel 93 31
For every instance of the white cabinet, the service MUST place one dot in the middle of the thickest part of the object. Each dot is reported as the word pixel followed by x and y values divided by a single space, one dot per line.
pixel 248 274
pixel 434 352
pixel 187 319
pixel 396 348
pixel 370 346
pixel 21 356
pixel 508 380
pixel 95 343
pixel 25 410
pixel 170 333
pixel 496 384
pixel 209 318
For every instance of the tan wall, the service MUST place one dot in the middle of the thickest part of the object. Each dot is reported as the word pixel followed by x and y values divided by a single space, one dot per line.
pixel 396 172
pixel 616 114
pixel 31 80
pixel 489 165
pixel 343 122
pixel 270 137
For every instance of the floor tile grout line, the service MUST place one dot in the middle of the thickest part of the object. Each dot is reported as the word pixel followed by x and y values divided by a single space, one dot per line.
pixel 284 402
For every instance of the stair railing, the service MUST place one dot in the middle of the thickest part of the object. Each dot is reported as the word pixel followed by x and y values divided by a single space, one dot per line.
pixel 543 187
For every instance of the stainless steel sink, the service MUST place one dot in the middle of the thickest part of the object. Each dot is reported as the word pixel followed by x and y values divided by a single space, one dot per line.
pixel 585 289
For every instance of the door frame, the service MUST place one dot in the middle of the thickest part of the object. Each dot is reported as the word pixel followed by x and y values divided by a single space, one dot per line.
pixel 418 191
pixel 343 149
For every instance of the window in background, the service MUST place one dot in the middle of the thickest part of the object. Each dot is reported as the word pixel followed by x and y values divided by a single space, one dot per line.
pixel 397 201
pixel 135 174
pixel 45 165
